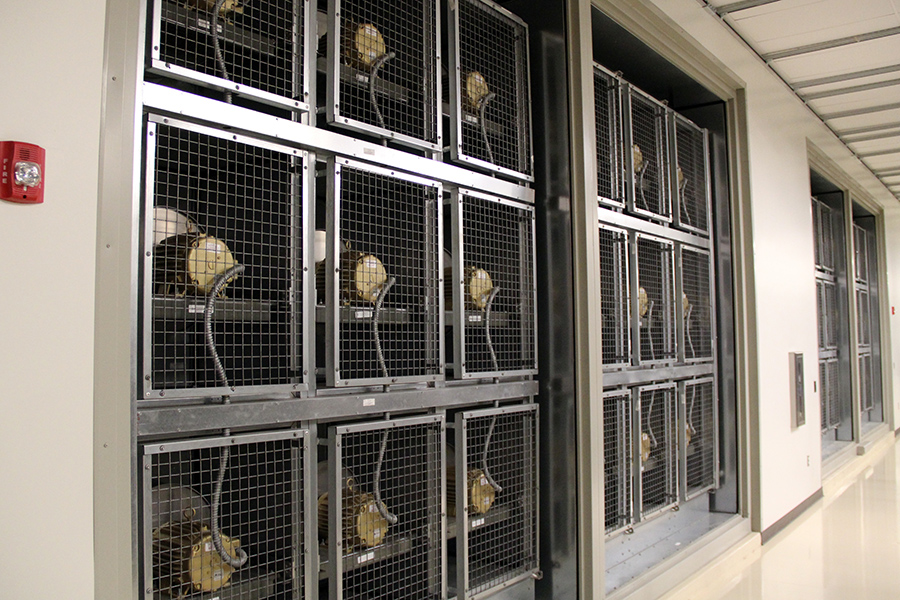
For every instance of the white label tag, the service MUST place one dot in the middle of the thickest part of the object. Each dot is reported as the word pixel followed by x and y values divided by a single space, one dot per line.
pixel 207 547
pixel 362 78
pixel 474 318
pixel 368 401
pixel 364 314
pixel 372 508
pixel 196 309
pixel 477 523
pixel 472 119
pixel 217 574
pixel 365 558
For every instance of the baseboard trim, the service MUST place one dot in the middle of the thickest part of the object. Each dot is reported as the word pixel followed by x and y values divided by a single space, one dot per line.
pixel 789 518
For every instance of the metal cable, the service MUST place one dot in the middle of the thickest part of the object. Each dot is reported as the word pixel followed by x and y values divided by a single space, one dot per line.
pixel 484 455
pixel 375 315
pixel 373 74
pixel 681 189
pixel 221 280
pixel 653 442
pixel 487 326
pixel 382 509
pixel 650 330
pixel 690 415
pixel 482 107
pixel 220 57
pixel 687 329
pixel 644 168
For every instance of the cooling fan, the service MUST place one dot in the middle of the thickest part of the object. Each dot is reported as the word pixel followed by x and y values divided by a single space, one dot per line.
pixel 362 523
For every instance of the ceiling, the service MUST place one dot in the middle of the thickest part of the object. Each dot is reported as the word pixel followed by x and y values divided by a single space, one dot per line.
pixel 842 58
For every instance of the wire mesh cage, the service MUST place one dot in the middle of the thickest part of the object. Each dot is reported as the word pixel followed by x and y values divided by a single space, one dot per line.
pixel 863 317
pixel 827 314
pixel 382 292
pixel 490 286
pixel 615 298
pixel 649 156
pixel 223 271
pixel 254 49
pixel 490 97
pixel 657 448
pixel 618 459
pixel 611 176
pixel 829 392
pixel 866 382
pixel 696 306
pixel 860 247
pixel 654 302
pixel 497 540
pixel 701 436
pixel 387 541
pixel 823 228
pixel 691 190
pixel 226 517
pixel 382 69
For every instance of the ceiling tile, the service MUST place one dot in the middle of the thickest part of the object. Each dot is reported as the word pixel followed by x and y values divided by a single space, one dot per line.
pixel 868 98
pixel 845 59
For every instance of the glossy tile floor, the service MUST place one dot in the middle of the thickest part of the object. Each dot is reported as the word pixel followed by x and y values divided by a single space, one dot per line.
pixel 847 546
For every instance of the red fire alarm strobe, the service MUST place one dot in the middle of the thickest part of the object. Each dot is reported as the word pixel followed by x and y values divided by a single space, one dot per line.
pixel 21 172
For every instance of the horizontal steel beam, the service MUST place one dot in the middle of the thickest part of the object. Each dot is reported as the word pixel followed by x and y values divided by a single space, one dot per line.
pixel 827 45
pixel 796 85
pixel 210 417
pixel 169 101
pixel 743 5
pixel 868 110
pixel 639 376
pixel 636 224
pixel 883 135
pixel 851 90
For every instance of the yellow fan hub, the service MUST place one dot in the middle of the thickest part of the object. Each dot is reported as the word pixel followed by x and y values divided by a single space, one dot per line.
pixel 481 492
pixel 478 286
pixel 643 302
pixel 207 258
pixel 638 157
pixel 685 303
pixel 688 434
pixel 476 89
pixel 229 6
pixel 370 526
pixel 369 276
pixel 680 174
pixel 208 571
pixel 368 45
pixel 646 447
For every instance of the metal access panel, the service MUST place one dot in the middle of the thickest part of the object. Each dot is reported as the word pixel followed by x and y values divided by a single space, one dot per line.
pixel 823 228
pixel 618 459
pixel 701 436
pixel 227 517
pixel 497 532
pixel 656 448
pixel 860 247
pixel 224 224
pixel 696 304
pixel 256 49
pixel 863 317
pixel 491 286
pixel 829 391
pixel 653 303
pixel 866 382
pixel 648 158
pixel 611 173
pixel 388 539
pixel 383 66
pixel 691 180
pixel 826 293
pixel 382 289
pixel 615 297
pixel 490 95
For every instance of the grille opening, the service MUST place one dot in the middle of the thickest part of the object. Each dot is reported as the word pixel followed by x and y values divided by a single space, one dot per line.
pixel 658 448
pixel 213 204
pixel 610 146
pixel 696 307
pixel 650 157
pixel 618 465
pixel 691 176
pixel 615 297
pixel 656 307
pixel 700 435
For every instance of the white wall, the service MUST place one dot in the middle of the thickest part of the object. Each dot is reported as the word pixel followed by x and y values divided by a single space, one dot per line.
pixel 779 127
pixel 892 227
pixel 51 73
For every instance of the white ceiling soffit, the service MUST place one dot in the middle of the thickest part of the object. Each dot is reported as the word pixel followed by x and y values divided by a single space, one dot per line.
pixel 842 58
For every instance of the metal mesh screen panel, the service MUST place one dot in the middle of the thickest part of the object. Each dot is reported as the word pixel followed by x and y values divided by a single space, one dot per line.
pixel 862 256
pixel 502 540
pixel 500 330
pixel 650 152
pixel 493 59
pixel 217 203
pixel 387 49
pixel 864 323
pixel 700 432
pixel 866 397
pixel 403 559
pixel 827 303
pixel 388 229
pixel 614 297
pixel 658 448
pixel 260 514
pixel 829 391
pixel 617 460
pixel 261 42
pixel 691 183
pixel 698 317
pixel 824 233
pixel 610 147
pixel 656 291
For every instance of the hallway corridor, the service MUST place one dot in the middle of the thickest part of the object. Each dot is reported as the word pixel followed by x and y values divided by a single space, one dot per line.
pixel 847 546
